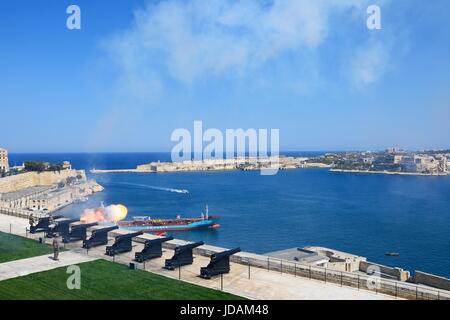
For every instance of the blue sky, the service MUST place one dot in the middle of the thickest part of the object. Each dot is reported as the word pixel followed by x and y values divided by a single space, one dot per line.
pixel 138 69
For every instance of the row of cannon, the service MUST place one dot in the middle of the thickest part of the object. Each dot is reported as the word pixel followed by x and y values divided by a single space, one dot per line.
pixel 183 255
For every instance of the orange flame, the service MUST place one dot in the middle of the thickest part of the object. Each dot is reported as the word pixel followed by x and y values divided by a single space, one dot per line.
pixel 112 213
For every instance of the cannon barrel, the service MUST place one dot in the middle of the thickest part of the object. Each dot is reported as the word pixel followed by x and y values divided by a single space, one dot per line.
pixel 158 240
pixel 182 256
pixel 188 246
pixel 47 219
pixel 63 224
pixel 152 249
pixel 84 225
pixel 64 219
pixel 106 230
pixel 219 264
pixel 77 232
pixel 129 235
pixel 221 255
pixel 61 227
pixel 122 243
pixel 54 217
pixel 42 225
pixel 98 237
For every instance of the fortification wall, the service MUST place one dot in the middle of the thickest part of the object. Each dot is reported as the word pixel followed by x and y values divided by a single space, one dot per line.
pixel 431 280
pixel 397 273
pixel 32 179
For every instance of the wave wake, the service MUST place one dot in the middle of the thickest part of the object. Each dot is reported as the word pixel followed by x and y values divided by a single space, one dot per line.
pixel 154 187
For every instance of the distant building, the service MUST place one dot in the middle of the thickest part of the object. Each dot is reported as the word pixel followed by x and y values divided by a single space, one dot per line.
pixel 4 163
pixel 66 165
pixel 398 159
pixel 426 163
pixel 52 200
pixel 392 150
pixel 368 160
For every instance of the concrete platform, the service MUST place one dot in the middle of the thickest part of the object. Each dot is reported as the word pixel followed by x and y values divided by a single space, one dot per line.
pixel 262 284
pixel 17 225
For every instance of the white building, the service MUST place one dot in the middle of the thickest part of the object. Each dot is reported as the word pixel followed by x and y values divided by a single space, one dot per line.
pixel 425 163
pixel 4 164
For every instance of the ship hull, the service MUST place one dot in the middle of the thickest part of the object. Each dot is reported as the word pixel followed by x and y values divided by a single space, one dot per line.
pixel 195 225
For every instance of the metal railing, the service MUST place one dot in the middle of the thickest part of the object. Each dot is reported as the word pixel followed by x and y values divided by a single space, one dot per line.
pixel 21 213
pixel 374 283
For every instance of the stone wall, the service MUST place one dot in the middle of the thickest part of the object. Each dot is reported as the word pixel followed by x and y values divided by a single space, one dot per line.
pixel 397 273
pixel 431 280
pixel 32 179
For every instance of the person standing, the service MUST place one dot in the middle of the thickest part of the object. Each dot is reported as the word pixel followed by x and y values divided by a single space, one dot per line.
pixel 55 245
pixel 31 220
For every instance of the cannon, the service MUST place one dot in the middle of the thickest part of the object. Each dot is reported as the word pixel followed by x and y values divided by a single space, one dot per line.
pixel 152 249
pixel 60 228
pixel 43 224
pixel 99 237
pixel 182 256
pixel 122 244
pixel 219 264
pixel 78 232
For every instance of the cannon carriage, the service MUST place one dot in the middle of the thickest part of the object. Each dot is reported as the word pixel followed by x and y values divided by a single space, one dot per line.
pixel 122 244
pixel 182 256
pixel 219 264
pixel 152 249
pixel 61 227
pixel 43 224
pixel 78 232
pixel 99 237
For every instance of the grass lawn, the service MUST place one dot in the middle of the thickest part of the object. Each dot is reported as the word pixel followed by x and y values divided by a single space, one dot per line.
pixel 104 280
pixel 13 247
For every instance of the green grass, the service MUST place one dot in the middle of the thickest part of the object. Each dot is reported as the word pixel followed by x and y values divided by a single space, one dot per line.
pixel 13 247
pixel 104 280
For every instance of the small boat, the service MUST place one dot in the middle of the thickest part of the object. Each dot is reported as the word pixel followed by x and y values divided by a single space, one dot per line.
pixel 81 200
pixel 392 254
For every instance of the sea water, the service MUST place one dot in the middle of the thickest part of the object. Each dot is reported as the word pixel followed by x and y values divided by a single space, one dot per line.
pixel 364 214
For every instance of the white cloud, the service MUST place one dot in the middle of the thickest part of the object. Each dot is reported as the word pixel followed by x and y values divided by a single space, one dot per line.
pixel 369 63
pixel 194 39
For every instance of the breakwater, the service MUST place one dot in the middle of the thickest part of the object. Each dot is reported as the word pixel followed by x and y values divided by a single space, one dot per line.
pixel 239 163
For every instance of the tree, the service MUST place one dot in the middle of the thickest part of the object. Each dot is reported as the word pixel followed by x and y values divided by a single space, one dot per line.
pixel 35 166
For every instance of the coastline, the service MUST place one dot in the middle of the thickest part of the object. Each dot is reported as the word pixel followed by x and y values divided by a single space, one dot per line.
pixel 242 164
pixel 390 172
pixel 95 171
pixel 309 166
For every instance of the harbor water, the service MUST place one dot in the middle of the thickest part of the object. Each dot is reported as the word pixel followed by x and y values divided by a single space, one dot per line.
pixel 364 214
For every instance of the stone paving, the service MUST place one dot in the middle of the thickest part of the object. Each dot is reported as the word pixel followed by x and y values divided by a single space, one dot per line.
pixel 262 284
pixel 23 267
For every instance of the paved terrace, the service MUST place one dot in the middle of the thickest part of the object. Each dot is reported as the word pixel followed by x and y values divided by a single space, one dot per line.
pixel 262 284
pixel 23 267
